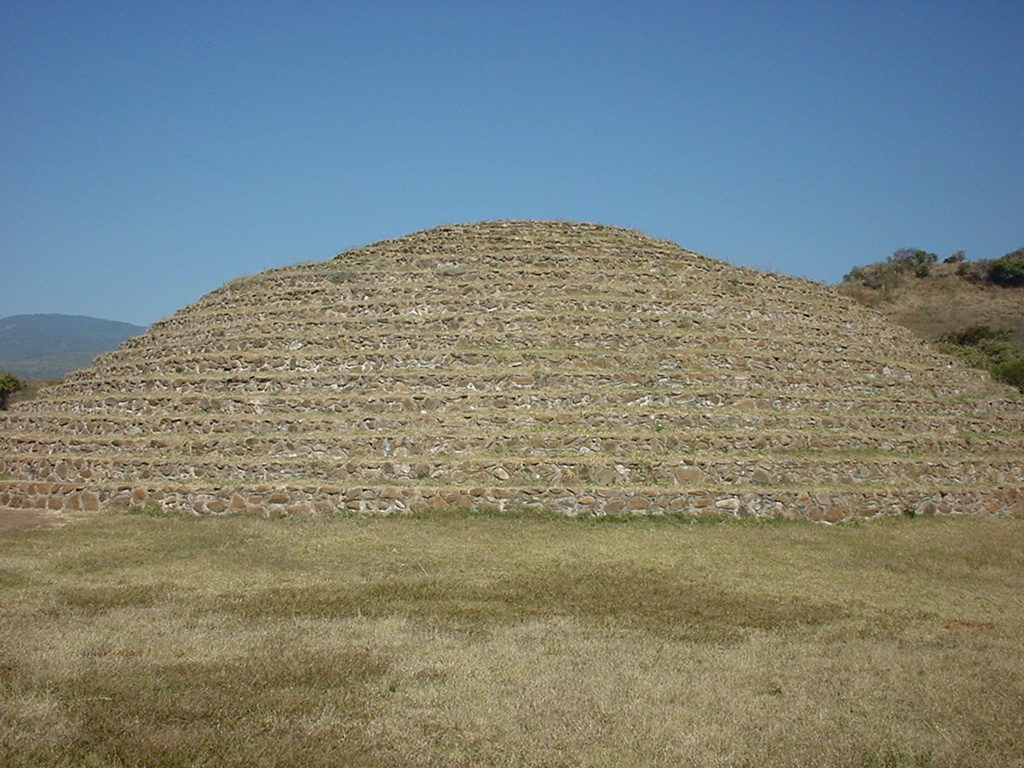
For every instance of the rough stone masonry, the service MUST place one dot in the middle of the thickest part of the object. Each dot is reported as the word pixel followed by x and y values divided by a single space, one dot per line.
pixel 509 365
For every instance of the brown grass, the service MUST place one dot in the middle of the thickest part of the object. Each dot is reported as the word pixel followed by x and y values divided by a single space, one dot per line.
pixel 489 640
pixel 944 302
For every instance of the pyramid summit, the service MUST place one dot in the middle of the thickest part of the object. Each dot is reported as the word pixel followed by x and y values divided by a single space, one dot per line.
pixel 511 365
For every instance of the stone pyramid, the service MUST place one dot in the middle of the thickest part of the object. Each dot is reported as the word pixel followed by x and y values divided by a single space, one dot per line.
pixel 571 367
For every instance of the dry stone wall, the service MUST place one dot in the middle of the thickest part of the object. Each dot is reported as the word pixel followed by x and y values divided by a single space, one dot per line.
pixel 520 365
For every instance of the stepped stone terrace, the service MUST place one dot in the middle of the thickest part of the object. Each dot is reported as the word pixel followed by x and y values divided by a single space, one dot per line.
pixel 578 368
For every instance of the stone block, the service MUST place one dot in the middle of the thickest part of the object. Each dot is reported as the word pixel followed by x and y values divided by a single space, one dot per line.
pixel 731 505
pixel 833 515
pixel 687 475
pixel 614 506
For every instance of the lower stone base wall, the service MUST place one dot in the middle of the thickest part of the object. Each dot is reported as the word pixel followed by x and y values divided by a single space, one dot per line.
pixel 268 501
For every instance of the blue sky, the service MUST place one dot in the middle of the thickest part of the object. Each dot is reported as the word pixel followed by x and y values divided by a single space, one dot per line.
pixel 151 151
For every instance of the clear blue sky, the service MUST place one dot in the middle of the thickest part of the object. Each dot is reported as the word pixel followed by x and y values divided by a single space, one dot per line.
pixel 151 151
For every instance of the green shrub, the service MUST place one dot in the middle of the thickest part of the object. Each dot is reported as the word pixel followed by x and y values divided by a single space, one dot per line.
pixel 885 276
pixel 9 384
pixel 977 271
pixel 975 335
pixel 1011 372
pixel 878 277
pixel 909 259
pixel 993 349
pixel 855 275
pixel 1008 270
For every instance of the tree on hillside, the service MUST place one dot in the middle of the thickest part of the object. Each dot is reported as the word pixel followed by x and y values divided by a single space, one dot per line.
pixel 912 260
pixel 886 275
pixel 9 384
pixel 906 259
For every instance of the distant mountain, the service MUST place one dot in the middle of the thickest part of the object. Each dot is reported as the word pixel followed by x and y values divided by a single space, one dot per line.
pixel 49 346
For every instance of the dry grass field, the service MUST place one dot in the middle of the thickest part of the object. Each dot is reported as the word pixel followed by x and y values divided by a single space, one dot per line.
pixel 458 640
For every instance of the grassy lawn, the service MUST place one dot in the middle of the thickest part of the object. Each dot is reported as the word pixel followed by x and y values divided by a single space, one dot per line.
pixel 128 640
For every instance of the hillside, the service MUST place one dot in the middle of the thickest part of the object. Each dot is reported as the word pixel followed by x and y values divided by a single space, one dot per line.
pixel 951 304
pixel 560 366
pixel 943 302
pixel 47 346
